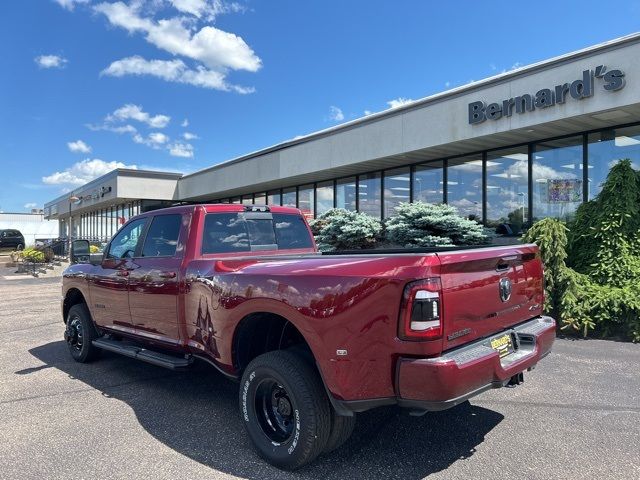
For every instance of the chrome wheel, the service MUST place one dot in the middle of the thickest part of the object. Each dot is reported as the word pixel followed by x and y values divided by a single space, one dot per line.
pixel 74 334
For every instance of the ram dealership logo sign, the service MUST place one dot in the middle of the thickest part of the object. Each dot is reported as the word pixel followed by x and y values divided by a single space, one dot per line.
pixel 579 89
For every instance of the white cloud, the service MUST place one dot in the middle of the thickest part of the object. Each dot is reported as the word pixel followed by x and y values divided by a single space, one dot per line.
pixel 180 149
pixel 208 9
pixel 79 147
pixel 173 71
pixel 447 84
pixel 70 4
pixel 50 61
pixel 112 128
pixel 336 114
pixel 154 140
pixel 367 112
pixel 215 51
pixel 31 205
pixel 190 136
pixel 135 112
pixel 399 102
pixel 185 123
pixel 82 172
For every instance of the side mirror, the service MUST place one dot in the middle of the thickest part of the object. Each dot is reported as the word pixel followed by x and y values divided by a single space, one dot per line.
pixel 80 251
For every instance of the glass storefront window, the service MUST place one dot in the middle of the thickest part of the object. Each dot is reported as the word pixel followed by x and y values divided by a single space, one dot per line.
pixel 507 187
pixel 289 197
pixel 236 199
pixel 306 201
pixel 346 193
pixel 324 197
pixel 428 183
pixel 557 178
pixel 464 186
pixel 274 197
pixel 247 199
pixel 608 147
pixel 397 189
pixel 260 198
pixel 369 187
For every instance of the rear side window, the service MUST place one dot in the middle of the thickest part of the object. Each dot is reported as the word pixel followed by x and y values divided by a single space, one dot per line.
pixel 231 232
pixel 162 237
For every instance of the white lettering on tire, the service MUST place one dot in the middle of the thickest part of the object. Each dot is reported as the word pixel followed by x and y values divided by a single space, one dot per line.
pixel 245 391
pixel 296 437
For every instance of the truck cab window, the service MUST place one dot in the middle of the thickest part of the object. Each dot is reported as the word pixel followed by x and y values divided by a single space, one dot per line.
pixel 124 244
pixel 162 237
pixel 231 232
pixel 291 231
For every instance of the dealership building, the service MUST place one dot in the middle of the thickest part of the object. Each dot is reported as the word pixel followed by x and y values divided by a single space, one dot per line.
pixel 514 148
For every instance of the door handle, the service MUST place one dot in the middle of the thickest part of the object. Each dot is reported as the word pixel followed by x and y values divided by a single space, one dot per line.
pixel 502 267
pixel 167 275
pixel 122 273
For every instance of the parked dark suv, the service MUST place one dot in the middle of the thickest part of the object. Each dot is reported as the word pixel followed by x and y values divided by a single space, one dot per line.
pixel 11 239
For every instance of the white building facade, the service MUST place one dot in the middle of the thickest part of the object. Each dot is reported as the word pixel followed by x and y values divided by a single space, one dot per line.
pixel 514 148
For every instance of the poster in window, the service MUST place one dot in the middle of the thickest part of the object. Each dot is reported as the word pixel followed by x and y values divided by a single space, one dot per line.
pixel 563 191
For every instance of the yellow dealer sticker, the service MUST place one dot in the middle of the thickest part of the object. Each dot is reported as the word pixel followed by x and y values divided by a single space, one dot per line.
pixel 503 345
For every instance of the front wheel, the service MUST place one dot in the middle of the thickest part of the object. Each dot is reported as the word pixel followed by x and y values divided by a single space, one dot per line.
pixel 80 334
pixel 285 409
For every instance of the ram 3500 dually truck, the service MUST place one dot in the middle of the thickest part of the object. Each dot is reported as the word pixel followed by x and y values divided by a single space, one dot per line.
pixel 312 338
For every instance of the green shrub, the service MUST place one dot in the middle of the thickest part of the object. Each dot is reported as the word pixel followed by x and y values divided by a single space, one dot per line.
pixel 33 255
pixel 422 224
pixel 551 237
pixel 606 301
pixel 620 195
pixel 94 249
pixel 339 229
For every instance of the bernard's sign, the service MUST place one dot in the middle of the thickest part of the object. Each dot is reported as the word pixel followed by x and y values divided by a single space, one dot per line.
pixel 584 87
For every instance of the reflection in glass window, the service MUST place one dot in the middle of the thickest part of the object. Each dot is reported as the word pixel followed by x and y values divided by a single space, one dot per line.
pixel 306 201
pixel 291 231
pixel 162 237
pixel 608 147
pixel 247 199
pixel 369 187
pixel 224 233
pixel 274 198
pixel 289 197
pixel 324 197
pixel 507 187
pixel 397 189
pixel 557 178
pixel 230 232
pixel 464 186
pixel 346 194
pixel 428 183
pixel 236 199
pixel 124 244
pixel 260 198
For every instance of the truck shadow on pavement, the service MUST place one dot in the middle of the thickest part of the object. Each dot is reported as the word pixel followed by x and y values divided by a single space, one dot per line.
pixel 196 414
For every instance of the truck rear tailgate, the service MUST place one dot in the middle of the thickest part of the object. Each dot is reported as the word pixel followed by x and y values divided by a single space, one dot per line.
pixel 488 290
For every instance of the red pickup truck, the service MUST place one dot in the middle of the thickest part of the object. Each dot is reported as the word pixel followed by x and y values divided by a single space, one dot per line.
pixel 312 338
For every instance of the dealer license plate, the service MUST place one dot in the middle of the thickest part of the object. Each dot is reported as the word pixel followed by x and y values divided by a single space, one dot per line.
pixel 503 344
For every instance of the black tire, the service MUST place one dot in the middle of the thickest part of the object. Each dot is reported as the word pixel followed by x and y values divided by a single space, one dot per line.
pixel 341 430
pixel 80 334
pixel 20 247
pixel 285 409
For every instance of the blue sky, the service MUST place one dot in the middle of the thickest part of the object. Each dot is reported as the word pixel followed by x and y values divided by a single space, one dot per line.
pixel 179 85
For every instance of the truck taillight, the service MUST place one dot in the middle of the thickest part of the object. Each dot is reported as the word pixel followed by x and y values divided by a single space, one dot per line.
pixel 421 312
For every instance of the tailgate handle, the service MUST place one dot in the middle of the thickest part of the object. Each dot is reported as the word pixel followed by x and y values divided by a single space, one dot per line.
pixel 502 267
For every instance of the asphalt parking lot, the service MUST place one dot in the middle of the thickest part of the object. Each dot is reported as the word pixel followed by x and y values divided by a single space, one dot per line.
pixel 576 416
